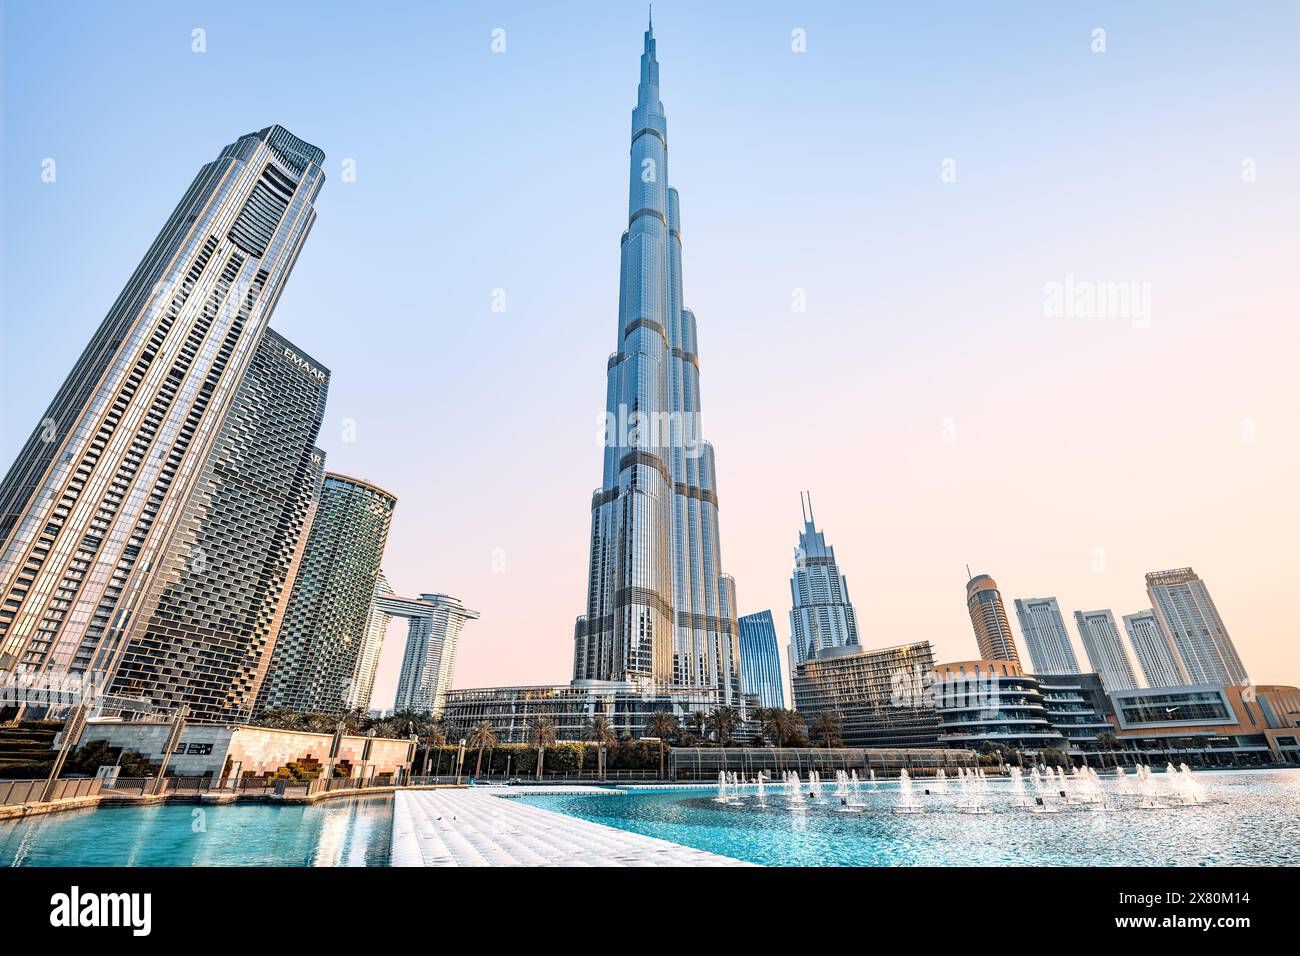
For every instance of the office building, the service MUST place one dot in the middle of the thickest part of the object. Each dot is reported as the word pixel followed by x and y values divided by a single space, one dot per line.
pixel 760 659
pixel 571 707
pixel 862 688
pixel 314 664
pixel 1078 708
pixel 821 613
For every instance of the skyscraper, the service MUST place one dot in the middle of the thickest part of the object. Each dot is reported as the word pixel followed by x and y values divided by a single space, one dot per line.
pixel 363 683
pixel 429 661
pixel 314 663
pixel 658 606
pixel 1105 648
pixel 208 622
pixel 1159 661
pixel 989 618
pixel 760 659
pixel 88 507
pixel 1194 628
pixel 821 613
pixel 1045 636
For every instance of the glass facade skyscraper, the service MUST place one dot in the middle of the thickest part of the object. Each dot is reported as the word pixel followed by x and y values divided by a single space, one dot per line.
pixel 92 502
pixel 314 664
pixel 659 609
pixel 821 614
pixel 208 622
pixel 1046 639
pixel 760 659
pixel 1193 627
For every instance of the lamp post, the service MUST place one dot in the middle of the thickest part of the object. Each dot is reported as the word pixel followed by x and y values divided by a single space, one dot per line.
pixel 460 759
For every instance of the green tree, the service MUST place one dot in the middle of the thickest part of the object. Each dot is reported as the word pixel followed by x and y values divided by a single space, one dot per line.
pixel 828 727
pixel 601 733
pixel 779 724
pixel 663 725
pixel 541 734
pixel 722 721
pixel 481 737
pixel 697 719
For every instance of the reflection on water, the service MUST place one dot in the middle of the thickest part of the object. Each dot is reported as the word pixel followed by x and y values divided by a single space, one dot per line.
pixel 1246 818
pixel 344 832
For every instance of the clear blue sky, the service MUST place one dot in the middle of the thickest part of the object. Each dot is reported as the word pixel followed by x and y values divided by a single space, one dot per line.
pixel 819 171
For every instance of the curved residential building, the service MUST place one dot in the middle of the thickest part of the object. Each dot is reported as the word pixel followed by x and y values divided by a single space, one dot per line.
pixel 989 618
pixel 314 665
pixel 821 614
pixel 1045 636
pixel 658 609
pixel 90 506
pixel 429 662
pixel 992 701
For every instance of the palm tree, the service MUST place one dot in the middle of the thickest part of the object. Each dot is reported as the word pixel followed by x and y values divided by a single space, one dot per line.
pixel 481 737
pixel 430 732
pixel 722 721
pixel 779 724
pixel 828 726
pixel 541 734
pixel 698 719
pixel 601 733
pixel 662 724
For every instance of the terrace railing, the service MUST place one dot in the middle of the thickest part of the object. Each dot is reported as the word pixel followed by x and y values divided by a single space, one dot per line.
pixel 17 792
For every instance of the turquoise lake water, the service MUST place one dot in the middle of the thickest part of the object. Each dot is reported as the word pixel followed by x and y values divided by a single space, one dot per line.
pixel 1248 818
pixel 342 832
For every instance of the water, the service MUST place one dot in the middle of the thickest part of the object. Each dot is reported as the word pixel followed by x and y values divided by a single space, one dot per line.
pixel 342 832
pixel 1248 817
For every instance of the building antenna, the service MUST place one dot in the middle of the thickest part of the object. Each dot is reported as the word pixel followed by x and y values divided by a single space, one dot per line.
pixel 968 574
pixel 803 512
pixel 810 511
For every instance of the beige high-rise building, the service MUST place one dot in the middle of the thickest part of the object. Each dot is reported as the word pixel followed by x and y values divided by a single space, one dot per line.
pixel 989 618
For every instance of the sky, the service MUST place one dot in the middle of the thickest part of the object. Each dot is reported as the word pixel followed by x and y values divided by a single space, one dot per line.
pixel 943 186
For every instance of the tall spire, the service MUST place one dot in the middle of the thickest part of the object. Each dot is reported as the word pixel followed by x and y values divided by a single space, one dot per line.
pixel 659 608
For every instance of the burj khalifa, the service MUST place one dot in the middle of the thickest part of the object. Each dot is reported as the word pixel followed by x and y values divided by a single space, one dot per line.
pixel 660 612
